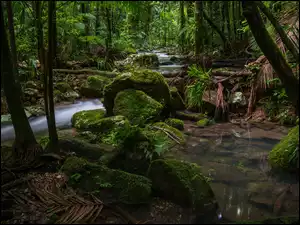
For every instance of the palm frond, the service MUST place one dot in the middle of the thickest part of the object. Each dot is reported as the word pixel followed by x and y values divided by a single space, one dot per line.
pixel 72 208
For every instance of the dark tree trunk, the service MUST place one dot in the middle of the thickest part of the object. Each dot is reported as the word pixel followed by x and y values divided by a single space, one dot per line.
pixel 182 25
pixel 223 17
pixel 12 41
pixel 271 51
pixel 97 24
pixel 55 59
pixel 53 138
pixel 24 137
pixel 39 34
pixel 285 39
pixel 215 27
pixel 227 19
pixel 199 26
pixel 234 19
pixel 108 56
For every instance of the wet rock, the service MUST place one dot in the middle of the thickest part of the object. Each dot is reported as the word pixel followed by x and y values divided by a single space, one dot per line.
pixel 177 82
pixel 93 87
pixel 108 184
pixel 152 83
pixel 35 110
pixel 181 182
pixel 87 119
pixel 138 107
pixel 186 115
pixel 238 99
pixel 29 92
pixel 209 102
pixel 176 123
pixel 177 102
pixel 285 155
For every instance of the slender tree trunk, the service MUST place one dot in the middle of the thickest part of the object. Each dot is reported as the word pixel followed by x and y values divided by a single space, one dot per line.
pixel 199 26
pixel 234 19
pixel 211 15
pixel 165 28
pixel 215 27
pixel 53 138
pixel 39 34
pixel 24 137
pixel 223 17
pixel 55 61
pixel 285 39
pixel 227 19
pixel 182 25
pixel 97 24
pixel 272 53
pixel 12 41
pixel 108 57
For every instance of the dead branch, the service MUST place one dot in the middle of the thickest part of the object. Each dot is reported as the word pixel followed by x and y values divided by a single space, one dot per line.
pixel 228 73
pixel 87 71
pixel 174 138
pixel 15 183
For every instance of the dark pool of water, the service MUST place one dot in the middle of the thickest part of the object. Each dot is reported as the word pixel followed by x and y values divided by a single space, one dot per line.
pixel 240 175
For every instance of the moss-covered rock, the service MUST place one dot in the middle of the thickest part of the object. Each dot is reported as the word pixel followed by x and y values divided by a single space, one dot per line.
pixel 107 183
pixel 203 122
pixel 275 220
pixel 285 154
pixel 176 123
pixel 177 102
pixel 87 119
pixel 183 115
pixel 171 130
pixel 93 87
pixel 181 182
pixel 138 107
pixel 63 87
pixel 150 82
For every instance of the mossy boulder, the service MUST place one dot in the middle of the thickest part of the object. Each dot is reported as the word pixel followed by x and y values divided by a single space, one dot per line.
pixel 186 115
pixel 181 182
pixel 285 154
pixel 62 87
pixel 108 184
pixel 161 127
pixel 87 119
pixel 176 123
pixel 177 102
pixel 138 107
pixel 203 122
pixel 274 220
pixel 93 87
pixel 64 92
pixel 150 82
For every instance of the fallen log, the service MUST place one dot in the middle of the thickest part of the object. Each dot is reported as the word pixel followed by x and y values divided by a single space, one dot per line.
pixel 88 71
pixel 230 73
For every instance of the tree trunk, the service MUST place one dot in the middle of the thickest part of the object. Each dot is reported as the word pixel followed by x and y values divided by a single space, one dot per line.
pixel 285 39
pixel 55 59
pixel 234 19
pixel 53 138
pixel 223 16
pixel 182 25
pixel 24 137
pixel 108 56
pixel 39 34
pixel 199 26
pixel 215 27
pixel 227 19
pixel 12 41
pixel 97 24
pixel 272 53
pixel 165 28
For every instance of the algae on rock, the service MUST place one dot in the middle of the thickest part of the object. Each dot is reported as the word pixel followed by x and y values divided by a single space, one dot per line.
pixel 181 182
pixel 176 123
pixel 93 87
pixel 87 119
pixel 285 154
pixel 108 184
pixel 150 82
pixel 136 106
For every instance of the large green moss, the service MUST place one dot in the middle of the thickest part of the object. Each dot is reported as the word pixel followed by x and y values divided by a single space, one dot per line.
pixel 203 122
pixel 281 156
pixel 138 107
pixel 87 119
pixel 177 102
pixel 93 87
pixel 181 182
pixel 150 82
pixel 102 181
pixel 63 87
pixel 171 130
pixel 176 123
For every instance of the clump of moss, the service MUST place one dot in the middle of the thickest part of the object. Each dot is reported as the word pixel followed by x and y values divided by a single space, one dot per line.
pixel 189 116
pixel 179 135
pixel 176 123
pixel 99 179
pixel 63 87
pixel 150 82
pixel 285 154
pixel 87 119
pixel 203 122
pixel 138 107
pixel 94 86
pixel 181 182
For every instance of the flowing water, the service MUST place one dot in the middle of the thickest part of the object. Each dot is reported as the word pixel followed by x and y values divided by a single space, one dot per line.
pixel 63 115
